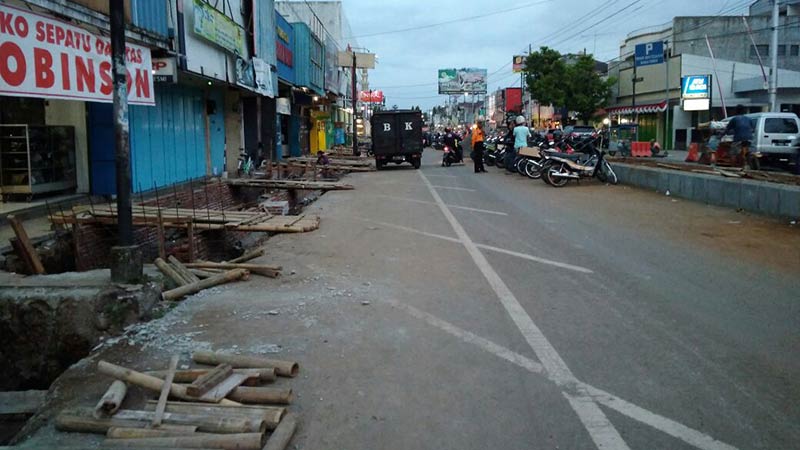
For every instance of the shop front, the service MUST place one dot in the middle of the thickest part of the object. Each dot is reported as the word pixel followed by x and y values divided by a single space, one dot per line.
pixel 50 83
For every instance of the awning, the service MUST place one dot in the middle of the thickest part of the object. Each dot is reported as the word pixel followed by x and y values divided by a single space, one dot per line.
pixel 641 109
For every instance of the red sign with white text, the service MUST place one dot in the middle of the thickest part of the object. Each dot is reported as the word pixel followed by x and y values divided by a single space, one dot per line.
pixel 48 58
pixel 370 96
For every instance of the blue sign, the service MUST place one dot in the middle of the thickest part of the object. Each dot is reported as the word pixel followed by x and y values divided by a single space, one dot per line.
pixel 696 86
pixel 648 54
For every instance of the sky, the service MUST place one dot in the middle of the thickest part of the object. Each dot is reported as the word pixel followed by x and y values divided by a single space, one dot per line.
pixel 486 34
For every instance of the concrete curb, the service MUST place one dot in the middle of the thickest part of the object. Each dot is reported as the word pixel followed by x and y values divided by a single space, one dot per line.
pixel 761 197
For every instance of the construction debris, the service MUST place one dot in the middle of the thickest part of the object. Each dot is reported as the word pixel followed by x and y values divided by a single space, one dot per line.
pixel 209 415
pixel 259 269
pixel 282 368
pixel 111 400
pixel 21 402
pixel 194 288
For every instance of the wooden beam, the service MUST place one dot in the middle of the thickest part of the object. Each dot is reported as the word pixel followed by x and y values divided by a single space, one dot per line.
pixel 28 252
pixel 21 402
pixel 208 380
pixel 165 388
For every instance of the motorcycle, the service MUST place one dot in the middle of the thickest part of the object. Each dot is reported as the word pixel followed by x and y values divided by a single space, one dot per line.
pixel 450 157
pixel 559 168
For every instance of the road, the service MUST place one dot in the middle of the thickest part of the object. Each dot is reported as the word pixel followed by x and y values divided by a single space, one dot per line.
pixel 441 309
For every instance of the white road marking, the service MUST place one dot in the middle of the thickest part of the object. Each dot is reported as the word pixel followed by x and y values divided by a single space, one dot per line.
pixel 537 259
pixel 603 434
pixel 424 202
pixel 549 262
pixel 453 188
pixel 658 422
pixel 443 176
pixel 466 336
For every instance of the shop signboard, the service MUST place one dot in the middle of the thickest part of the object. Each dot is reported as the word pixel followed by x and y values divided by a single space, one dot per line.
pixel 518 63
pixel 47 58
pixel 462 81
pixel 283 105
pixel 263 77
pixel 696 86
pixel 370 96
pixel 245 75
pixel 218 28
pixel 164 70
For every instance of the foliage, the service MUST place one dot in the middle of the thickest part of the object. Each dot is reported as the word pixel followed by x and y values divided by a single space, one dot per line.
pixel 567 81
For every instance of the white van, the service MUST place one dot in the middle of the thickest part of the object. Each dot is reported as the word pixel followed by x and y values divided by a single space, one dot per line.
pixel 775 136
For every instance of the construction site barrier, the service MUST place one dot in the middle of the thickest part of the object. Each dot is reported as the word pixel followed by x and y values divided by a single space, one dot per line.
pixel 641 149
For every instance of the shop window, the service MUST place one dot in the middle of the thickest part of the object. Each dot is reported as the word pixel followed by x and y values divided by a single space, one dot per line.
pixel 794 50
pixel 20 110
pixel 781 50
pixel 763 50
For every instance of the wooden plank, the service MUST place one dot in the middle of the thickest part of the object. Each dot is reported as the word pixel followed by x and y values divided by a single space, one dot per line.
pixel 208 380
pixel 233 381
pixel 21 402
pixel 165 388
pixel 29 253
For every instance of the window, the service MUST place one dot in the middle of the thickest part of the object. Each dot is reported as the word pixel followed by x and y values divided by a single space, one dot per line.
pixel 763 50
pixel 785 126
pixel 794 50
pixel 781 50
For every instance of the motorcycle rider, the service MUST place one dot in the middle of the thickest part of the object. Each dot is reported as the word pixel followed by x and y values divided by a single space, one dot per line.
pixel 451 140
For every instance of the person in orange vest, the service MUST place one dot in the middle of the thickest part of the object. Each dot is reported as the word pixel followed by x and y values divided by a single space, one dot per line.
pixel 477 146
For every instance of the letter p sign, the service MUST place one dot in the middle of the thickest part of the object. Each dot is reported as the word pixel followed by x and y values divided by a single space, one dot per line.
pixel 648 48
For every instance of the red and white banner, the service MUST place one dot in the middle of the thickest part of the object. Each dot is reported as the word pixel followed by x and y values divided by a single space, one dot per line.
pixel 370 96
pixel 48 58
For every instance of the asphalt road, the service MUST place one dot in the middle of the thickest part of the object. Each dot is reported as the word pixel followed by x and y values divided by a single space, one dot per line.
pixel 441 309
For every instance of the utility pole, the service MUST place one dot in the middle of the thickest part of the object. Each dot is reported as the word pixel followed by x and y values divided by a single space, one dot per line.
pixel 633 101
pixel 355 106
pixel 773 53
pixel 667 128
pixel 126 258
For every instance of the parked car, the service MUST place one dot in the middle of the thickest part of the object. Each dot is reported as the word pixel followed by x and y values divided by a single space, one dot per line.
pixel 776 136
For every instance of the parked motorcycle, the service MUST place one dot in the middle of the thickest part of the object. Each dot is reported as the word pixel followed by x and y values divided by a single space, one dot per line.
pixel 560 168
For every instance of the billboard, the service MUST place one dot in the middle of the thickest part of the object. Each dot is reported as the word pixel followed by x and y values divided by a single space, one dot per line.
pixel 48 58
pixel 518 64
pixel 462 81
pixel 370 96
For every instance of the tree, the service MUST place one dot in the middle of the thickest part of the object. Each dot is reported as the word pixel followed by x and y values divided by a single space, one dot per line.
pixel 571 83
pixel 585 91
pixel 545 72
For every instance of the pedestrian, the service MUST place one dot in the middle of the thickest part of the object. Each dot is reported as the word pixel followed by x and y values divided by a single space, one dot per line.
pixel 322 160
pixel 477 147
pixel 742 132
pixel 521 135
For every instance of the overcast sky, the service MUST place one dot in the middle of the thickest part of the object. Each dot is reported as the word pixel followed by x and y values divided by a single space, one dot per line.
pixel 501 30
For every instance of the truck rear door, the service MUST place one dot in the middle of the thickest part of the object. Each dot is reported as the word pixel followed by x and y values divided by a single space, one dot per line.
pixel 384 134
pixel 410 132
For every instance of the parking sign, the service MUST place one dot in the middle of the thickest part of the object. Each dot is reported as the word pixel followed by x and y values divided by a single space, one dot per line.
pixel 648 54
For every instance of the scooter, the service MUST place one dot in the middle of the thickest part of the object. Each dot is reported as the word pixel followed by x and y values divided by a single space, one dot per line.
pixel 450 157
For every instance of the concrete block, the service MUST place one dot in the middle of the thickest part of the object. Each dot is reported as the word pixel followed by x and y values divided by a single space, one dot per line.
pixel 651 179
pixel 732 193
pixel 769 199
pixel 714 191
pixel 748 199
pixel 789 201
pixel 126 264
pixel 675 185
pixel 663 180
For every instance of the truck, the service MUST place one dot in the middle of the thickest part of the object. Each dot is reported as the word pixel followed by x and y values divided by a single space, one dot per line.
pixel 397 137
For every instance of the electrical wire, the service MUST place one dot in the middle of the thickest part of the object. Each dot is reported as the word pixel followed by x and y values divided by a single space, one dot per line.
pixel 448 22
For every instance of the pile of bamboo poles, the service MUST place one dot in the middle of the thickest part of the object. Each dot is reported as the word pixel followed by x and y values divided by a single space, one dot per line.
pixel 195 276
pixel 221 407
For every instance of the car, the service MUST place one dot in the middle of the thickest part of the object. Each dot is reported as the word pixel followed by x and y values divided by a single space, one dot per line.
pixel 580 131
pixel 776 136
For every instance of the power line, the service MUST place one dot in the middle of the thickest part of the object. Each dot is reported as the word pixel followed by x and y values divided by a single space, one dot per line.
pixel 447 22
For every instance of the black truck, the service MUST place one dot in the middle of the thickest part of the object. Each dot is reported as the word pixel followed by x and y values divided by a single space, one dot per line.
pixel 397 137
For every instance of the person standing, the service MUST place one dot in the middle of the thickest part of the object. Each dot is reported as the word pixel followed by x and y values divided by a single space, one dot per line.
pixel 521 135
pixel 477 146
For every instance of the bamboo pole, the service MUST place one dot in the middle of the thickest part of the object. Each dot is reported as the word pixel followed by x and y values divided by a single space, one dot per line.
pixel 188 289
pixel 170 272
pixel 136 433
pixel 248 256
pixel 262 395
pixel 282 368
pixel 77 423
pixel 279 440
pixel 271 415
pixel 260 269
pixel 112 399
pixel 143 380
pixel 182 270
pixel 204 273
pixel 241 441
pixel 265 374
pixel 205 423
